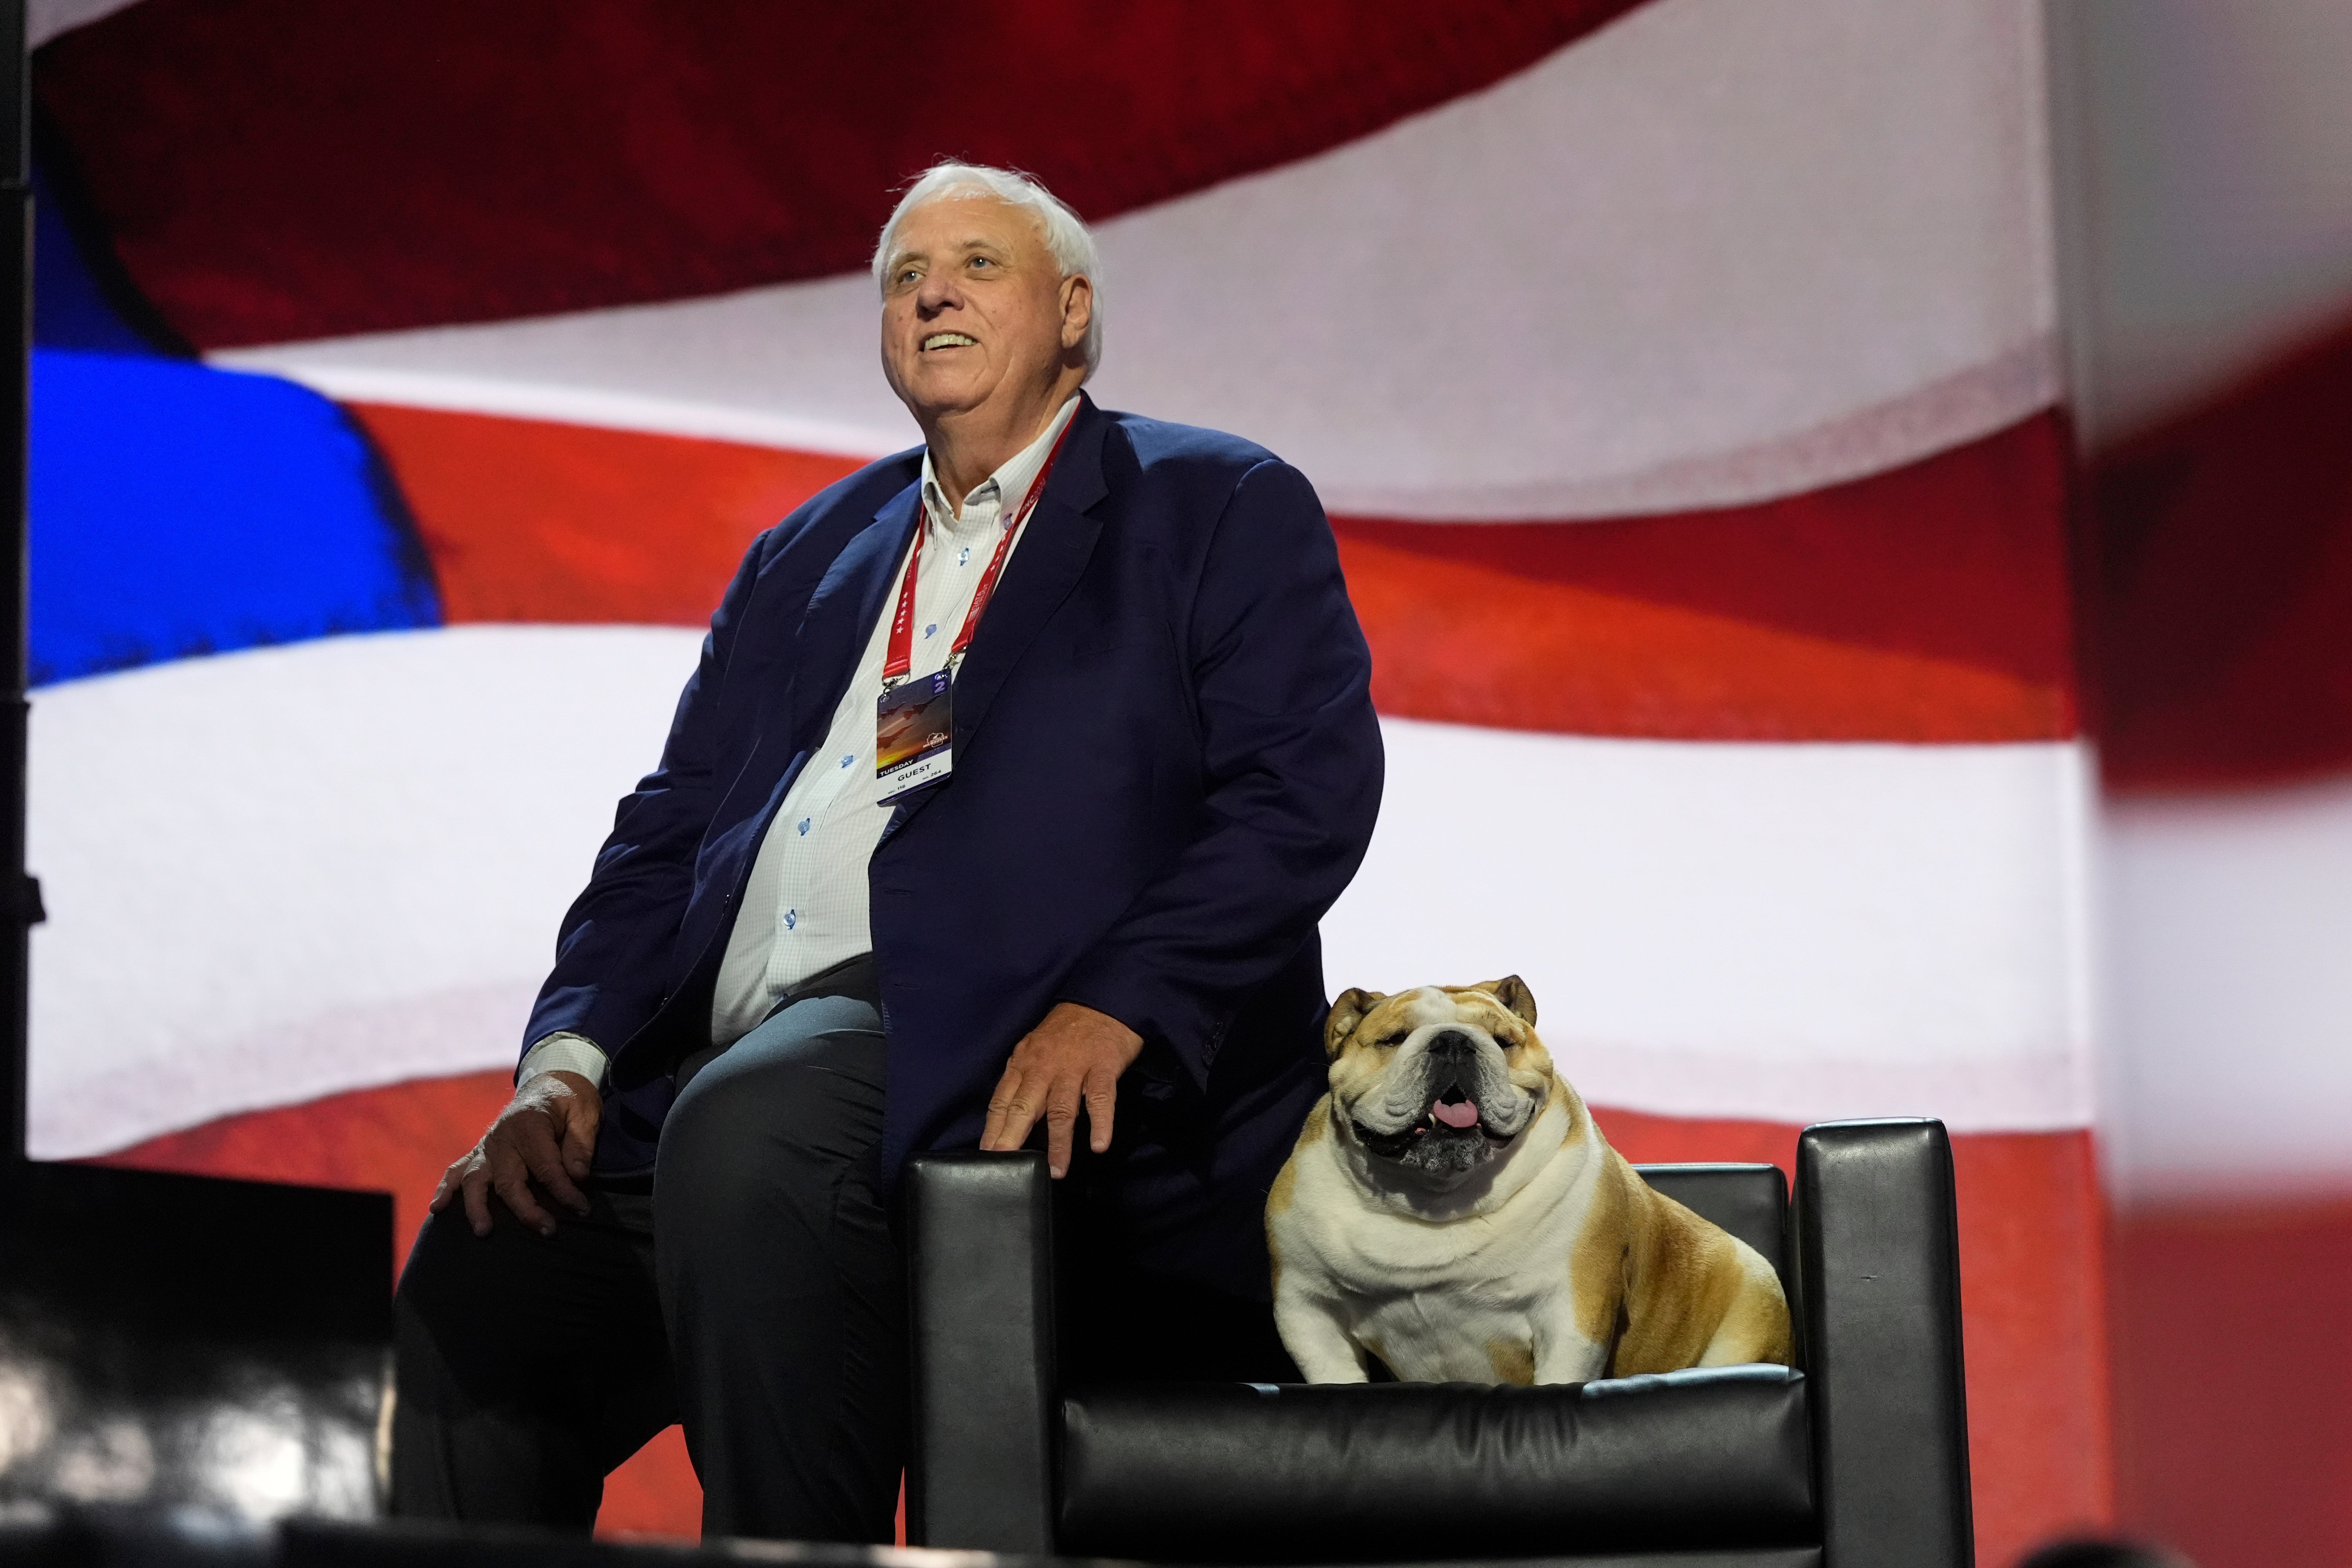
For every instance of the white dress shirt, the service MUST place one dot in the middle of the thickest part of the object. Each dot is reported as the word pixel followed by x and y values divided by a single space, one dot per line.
pixel 805 907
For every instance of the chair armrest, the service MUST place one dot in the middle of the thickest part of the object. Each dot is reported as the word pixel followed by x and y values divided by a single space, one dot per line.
pixel 980 1299
pixel 1879 1269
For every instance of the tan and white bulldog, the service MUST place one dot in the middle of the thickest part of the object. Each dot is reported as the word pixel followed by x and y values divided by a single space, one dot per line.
pixel 1452 1209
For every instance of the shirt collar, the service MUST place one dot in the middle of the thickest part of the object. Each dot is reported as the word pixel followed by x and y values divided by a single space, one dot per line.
pixel 997 498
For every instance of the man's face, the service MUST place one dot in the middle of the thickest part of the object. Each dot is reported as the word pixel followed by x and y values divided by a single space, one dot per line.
pixel 974 307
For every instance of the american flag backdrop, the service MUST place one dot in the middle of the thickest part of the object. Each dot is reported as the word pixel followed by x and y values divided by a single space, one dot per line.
pixel 1682 378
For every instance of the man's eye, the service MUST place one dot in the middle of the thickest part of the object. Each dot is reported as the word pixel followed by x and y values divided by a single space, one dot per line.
pixel 982 261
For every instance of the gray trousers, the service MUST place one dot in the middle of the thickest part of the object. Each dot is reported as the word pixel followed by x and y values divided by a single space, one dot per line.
pixel 751 1289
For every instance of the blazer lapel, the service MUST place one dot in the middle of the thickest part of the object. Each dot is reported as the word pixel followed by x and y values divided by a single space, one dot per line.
pixel 1047 562
pixel 841 613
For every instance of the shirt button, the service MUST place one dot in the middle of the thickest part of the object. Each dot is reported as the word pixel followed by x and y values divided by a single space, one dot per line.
pixel 804 826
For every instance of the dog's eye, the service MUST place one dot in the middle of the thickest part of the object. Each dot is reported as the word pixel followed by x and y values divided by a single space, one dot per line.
pixel 1388 1042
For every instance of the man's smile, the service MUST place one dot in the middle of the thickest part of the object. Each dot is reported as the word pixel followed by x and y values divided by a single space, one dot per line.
pixel 949 340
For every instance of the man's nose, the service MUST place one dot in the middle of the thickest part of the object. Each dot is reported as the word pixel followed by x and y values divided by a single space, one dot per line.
pixel 937 293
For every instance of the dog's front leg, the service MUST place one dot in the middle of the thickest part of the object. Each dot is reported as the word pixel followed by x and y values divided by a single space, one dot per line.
pixel 1564 1355
pixel 1316 1341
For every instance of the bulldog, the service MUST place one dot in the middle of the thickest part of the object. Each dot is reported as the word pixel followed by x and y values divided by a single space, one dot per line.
pixel 1451 1209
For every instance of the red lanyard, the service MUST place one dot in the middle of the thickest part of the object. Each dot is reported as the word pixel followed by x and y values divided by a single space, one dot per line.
pixel 900 658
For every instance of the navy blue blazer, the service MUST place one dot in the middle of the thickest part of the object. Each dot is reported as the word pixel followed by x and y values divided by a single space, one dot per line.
pixel 1167 767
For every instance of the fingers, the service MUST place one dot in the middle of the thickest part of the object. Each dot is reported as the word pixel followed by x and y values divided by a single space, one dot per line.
pixel 447 1188
pixel 1073 1058
pixel 1102 1100
pixel 546 1134
pixel 579 1137
pixel 1011 1114
pixel 475 1183
pixel 509 1180
pixel 473 1179
pixel 1014 1109
pixel 535 1145
pixel 1061 1117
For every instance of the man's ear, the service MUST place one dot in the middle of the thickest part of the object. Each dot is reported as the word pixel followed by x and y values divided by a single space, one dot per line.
pixel 1346 1013
pixel 1512 992
pixel 1077 308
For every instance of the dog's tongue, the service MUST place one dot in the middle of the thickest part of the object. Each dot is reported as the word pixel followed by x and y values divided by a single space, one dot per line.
pixel 1463 1115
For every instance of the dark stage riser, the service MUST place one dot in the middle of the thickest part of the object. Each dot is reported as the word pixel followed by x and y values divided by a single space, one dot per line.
pixel 186 1341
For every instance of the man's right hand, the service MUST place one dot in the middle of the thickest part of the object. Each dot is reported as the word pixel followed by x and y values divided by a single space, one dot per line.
pixel 547 1133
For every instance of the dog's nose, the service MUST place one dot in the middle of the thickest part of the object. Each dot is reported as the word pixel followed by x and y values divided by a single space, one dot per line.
pixel 1452 1043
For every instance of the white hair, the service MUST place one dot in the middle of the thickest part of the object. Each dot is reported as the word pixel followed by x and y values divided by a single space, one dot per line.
pixel 1066 236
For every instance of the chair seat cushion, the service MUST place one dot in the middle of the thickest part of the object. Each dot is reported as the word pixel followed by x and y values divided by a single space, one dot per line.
pixel 1302 1473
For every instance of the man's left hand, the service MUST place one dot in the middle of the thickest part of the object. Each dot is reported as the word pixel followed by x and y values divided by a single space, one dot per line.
pixel 1075 1056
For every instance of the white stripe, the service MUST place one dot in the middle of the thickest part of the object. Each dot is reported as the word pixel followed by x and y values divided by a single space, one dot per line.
pixel 1720 250
pixel 2229 953
pixel 594 406
pixel 277 874
pixel 1794 932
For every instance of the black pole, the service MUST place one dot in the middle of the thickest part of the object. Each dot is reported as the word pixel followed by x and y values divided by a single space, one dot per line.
pixel 19 899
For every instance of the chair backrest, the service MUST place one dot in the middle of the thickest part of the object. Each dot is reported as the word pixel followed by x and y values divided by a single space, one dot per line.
pixel 1751 1201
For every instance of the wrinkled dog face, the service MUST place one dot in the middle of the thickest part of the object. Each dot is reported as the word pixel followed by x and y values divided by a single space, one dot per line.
pixel 1434 1082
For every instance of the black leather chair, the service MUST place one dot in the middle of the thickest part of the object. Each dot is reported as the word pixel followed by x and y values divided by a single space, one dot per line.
pixel 1857 1459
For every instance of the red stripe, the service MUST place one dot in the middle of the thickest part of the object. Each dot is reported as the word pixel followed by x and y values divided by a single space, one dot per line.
pixel 280 169
pixel 2221 611
pixel 1475 646
pixel 2233 1379
pixel 656 1494
pixel 2030 1253
pixel 1959 555
pixel 527 521
pixel 1928 604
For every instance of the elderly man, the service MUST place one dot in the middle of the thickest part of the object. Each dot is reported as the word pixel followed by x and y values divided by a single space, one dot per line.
pixel 1016 774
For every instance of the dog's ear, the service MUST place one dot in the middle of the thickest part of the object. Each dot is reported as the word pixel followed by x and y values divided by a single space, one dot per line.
pixel 1512 992
pixel 1346 1013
